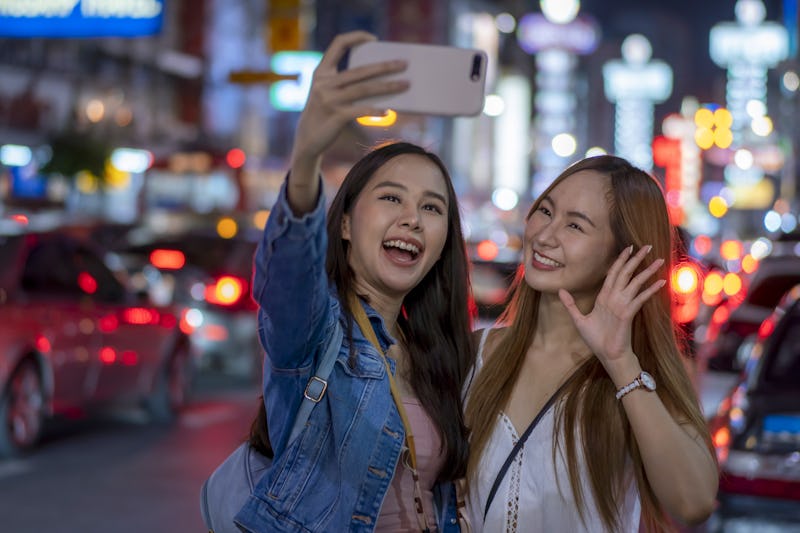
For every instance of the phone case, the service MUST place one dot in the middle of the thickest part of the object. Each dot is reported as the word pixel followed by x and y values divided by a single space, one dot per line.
pixel 444 80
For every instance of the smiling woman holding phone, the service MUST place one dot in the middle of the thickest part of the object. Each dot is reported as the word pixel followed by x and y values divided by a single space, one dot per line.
pixel 386 438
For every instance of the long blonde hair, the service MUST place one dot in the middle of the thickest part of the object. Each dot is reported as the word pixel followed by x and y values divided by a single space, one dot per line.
pixel 638 216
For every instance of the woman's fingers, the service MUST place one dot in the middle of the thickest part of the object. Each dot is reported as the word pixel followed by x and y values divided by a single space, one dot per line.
pixel 366 72
pixel 616 266
pixel 339 46
pixel 645 295
pixel 627 270
pixel 638 281
pixel 621 281
pixel 360 91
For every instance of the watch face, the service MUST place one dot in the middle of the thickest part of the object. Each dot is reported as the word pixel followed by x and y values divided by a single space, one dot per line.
pixel 648 381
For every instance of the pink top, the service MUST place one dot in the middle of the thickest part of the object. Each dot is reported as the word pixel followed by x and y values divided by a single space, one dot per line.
pixel 397 512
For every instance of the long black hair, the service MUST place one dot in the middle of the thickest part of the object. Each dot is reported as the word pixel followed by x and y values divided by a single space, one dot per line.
pixel 435 322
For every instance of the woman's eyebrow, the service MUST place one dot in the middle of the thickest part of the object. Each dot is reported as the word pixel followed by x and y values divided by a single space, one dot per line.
pixel 577 214
pixel 396 185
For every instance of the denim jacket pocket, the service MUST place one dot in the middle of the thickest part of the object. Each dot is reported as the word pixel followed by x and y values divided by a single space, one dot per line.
pixel 369 365
pixel 299 461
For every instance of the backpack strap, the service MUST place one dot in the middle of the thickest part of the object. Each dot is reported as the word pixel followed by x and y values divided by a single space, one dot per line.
pixel 318 384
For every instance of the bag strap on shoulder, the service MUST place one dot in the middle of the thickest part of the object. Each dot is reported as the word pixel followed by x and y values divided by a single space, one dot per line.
pixel 318 384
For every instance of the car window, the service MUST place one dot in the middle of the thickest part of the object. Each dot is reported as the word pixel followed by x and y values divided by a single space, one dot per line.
pixel 48 270
pixel 52 267
pixel 108 287
pixel 784 366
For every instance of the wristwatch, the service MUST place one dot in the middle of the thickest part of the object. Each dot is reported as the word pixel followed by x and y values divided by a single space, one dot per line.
pixel 644 380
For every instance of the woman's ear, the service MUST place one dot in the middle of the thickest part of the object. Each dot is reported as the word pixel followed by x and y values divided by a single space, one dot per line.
pixel 346 227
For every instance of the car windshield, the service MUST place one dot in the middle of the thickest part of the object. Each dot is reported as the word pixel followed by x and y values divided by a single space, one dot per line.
pixel 784 366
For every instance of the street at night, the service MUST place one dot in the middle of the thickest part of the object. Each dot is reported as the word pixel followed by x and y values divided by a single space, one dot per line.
pixel 121 475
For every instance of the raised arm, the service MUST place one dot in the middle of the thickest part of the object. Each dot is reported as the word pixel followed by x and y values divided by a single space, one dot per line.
pixel 332 104
pixel 679 467
pixel 290 283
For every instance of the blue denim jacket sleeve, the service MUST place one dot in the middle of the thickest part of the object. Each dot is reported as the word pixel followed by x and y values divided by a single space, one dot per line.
pixel 291 287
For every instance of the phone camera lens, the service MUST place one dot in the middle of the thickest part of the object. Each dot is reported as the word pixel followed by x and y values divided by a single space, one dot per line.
pixel 475 75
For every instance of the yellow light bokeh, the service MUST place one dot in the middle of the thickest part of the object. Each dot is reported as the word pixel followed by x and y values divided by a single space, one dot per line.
pixel 380 121
pixel 116 178
pixel 717 206
pixel 731 250
pixel 749 264
pixel 723 118
pixel 260 218
pixel 227 228
pixel 731 284
pixel 704 118
pixel 86 182
pixel 704 138
pixel 723 137
pixel 713 283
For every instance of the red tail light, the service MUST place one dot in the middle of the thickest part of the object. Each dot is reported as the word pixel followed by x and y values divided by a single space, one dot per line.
pixel 227 290
pixel 108 355
pixel 87 283
pixel 140 316
pixel 43 344
pixel 167 259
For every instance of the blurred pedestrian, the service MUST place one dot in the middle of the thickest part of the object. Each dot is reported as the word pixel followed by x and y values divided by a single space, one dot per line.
pixel 392 270
pixel 588 343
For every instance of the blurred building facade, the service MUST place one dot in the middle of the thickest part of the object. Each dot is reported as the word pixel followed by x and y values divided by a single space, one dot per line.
pixel 223 143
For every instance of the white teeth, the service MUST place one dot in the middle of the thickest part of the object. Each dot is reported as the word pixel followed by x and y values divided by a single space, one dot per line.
pixel 402 245
pixel 546 260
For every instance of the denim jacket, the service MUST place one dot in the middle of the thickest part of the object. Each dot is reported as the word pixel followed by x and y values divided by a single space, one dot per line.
pixel 335 474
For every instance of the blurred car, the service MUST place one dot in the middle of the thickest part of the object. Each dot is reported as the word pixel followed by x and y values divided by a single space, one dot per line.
pixel 735 319
pixel 74 338
pixel 756 431
pixel 208 277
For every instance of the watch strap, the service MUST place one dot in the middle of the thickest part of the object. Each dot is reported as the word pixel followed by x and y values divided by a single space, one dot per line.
pixel 637 383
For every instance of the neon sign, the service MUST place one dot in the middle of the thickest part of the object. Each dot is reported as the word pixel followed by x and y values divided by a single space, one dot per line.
pixel 80 18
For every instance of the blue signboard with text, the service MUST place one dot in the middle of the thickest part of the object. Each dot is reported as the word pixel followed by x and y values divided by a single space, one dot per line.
pixel 80 18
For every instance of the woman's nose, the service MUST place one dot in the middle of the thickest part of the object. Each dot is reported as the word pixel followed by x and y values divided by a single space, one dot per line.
pixel 545 235
pixel 410 218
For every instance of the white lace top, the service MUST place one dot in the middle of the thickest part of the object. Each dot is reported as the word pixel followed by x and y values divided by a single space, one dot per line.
pixel 535 495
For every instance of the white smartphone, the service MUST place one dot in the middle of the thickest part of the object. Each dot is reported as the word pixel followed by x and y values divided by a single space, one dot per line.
pixel 444 80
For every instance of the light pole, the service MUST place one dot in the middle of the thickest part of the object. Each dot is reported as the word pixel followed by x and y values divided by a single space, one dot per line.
pixel 747 48
pixel 634 85
pixel 555 36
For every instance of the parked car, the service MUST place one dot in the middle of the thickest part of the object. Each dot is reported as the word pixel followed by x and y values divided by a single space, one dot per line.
pixel 733 320
pixel 74 338
pixel 756 431
pixel 208 277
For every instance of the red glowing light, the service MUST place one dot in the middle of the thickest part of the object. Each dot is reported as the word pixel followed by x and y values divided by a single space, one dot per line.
pixel 87 283
pixel 129 358
pixel 167 259
pixel 487 250
pixel 140 316
pixel 43 344
pixel 107 355
pixel 235 158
